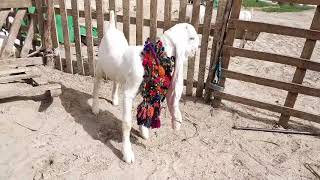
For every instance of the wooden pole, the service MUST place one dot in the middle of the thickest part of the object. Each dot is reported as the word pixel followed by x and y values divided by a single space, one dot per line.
pixel 47 35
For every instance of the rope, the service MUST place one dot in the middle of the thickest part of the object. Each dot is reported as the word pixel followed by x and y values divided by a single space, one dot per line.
pixel 217 71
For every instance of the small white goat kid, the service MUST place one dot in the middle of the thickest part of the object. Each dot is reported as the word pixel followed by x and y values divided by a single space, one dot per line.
pixel 123 65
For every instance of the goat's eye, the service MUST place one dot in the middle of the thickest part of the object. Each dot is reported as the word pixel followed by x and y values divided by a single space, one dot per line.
pixel 192 38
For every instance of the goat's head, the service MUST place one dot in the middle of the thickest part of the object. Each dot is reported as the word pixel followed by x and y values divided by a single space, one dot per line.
pixel 185 38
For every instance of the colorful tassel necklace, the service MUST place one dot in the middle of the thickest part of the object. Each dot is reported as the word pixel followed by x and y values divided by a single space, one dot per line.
pixel 157 77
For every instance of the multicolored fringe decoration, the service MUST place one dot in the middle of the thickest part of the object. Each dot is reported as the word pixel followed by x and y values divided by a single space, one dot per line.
pixel 158 68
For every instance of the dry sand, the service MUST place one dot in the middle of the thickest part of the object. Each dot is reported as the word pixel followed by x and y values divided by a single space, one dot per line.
pixel 69 142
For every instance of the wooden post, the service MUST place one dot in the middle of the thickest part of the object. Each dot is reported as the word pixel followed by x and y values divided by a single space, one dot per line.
pixel 167 14
pixel 153 19
pixel 236 6
pixel 139 22
pixel 47 31
pixel 66 39
pixel 126 19
pixel 88 22
pixel 76 28
pixel 204 48
pixel 300 72
pixel 223 13
pixel 191 61
pixel 112 6
pixel 6 49
pixel 182 11
pixel 100 19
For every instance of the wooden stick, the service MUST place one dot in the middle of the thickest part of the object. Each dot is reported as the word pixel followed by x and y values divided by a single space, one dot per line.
pixel 126 19
pixel 191 60
pixel 28 41
pixel 88 22
pixel 311 170
pixel 204 49
pixel 167 14
pixel 76 28
pixel 7 45
pixel 153 20
pixel 66 35
pixel 139 24
pixel 100 19
pixel 276 131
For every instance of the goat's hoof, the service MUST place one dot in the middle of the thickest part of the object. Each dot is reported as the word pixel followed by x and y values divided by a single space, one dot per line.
pixel 144 131
pixel 115 102
pixel 176 125
pixel 128 156
pixel 95 111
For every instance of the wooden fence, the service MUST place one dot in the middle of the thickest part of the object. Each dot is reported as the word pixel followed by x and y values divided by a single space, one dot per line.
pixel 301 63
pixel 140 21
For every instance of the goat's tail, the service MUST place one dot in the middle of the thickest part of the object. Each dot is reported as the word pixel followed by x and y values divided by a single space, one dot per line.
pixel 112 19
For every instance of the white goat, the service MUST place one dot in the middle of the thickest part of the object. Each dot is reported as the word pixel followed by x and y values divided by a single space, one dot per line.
pixel 123 64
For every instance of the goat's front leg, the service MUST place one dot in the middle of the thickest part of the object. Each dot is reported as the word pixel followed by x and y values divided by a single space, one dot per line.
pixel 128 155
pixel 115 94
pixel 175 115
pixel 96 87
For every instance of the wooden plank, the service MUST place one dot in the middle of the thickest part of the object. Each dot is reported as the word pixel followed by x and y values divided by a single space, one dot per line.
pixel 191 60
pixel 146 22
pixel 310 2
pixel 300 73
pixel 66 38
pixel 274 29
pixel 3 16
pixel 276 58
pixel 8 44
pixel 182 11
pixel 30 91
pixel 55 44
pixel 112 6
pixel 153 19
pixel 100 19
pixel 28 41
pixel 204 48
pixel 88 20
pixel 267 106
pixel 6 72
pixel 222 17
pixel 19 77
pixel 21 62
pixel 76 28
pixel 126 19
pixel 139 23
pixel 292 87
pixel 15 4
pixel 230 36
pixel 167 14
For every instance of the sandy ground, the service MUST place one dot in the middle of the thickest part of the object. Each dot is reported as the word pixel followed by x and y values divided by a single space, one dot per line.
pixel 69 142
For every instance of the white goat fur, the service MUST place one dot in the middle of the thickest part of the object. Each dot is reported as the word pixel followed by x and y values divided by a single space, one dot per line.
pixel 123 64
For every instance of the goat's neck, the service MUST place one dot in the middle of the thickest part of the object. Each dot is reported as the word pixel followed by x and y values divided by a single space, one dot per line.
pixel 168 45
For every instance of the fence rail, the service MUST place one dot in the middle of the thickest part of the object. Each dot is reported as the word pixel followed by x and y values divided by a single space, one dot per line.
pixel 302 64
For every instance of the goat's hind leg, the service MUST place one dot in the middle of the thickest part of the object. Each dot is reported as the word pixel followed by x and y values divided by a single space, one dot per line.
pixel 129 92
pixel 115 93
pixel 96 87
